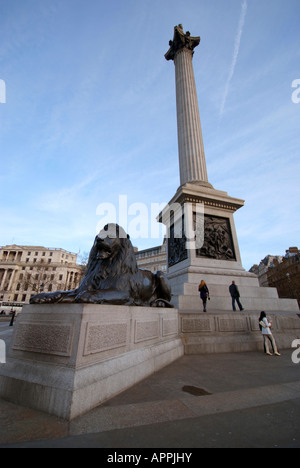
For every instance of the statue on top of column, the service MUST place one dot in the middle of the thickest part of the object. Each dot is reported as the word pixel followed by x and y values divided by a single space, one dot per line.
pixel 180 41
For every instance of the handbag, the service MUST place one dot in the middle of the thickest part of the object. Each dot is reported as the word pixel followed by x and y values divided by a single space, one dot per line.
pixel 262 324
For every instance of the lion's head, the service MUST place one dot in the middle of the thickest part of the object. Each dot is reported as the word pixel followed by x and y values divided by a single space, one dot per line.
pixel 108 242
pixel 112 255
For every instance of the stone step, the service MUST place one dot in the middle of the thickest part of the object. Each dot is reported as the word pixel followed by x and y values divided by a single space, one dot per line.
pixel 223 291
pixel 189 302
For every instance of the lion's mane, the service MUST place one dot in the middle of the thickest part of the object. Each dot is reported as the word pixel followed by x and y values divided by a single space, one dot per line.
pixel 103 273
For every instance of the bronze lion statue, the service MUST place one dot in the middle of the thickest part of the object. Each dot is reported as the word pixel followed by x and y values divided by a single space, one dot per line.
pixel 113 277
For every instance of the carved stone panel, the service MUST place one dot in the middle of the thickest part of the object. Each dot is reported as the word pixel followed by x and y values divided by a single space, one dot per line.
pixel 105 336
pixel 232 325
pixel 170 327
pixel 218 241
pixel 289 323
pixel 45 338
pixel 177 251
pixel 192 325
pixel 254 325
pixel 146 330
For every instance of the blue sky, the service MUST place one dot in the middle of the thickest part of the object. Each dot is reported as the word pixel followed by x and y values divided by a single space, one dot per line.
pixel 90 114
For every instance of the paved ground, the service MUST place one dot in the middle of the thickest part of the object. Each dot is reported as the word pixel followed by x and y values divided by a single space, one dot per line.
pixel 217 400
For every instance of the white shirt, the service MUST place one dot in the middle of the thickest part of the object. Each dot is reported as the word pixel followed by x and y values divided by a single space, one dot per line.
pixel 266 331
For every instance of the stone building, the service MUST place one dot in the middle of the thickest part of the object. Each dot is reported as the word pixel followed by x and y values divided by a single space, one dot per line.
pixel 153 259
pixel 28 270
pixel 261 270
pixel 285 275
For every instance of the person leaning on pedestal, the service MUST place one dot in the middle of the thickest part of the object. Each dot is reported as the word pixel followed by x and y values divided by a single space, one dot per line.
pixel 265 326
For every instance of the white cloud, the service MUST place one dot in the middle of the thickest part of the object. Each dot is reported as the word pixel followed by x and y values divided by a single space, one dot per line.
pixel 235 55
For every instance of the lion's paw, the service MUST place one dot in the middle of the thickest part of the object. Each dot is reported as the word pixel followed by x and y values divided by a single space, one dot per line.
pixel 46 298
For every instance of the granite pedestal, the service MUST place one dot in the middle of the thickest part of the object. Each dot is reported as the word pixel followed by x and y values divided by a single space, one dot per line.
pixel 68 359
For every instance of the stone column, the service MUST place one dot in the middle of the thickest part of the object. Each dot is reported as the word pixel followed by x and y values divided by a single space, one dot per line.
pixel 192 162
pixel 3 280
pixel 11 280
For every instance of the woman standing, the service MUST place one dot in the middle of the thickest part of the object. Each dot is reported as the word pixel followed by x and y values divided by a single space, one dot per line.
pixel 204 293
pixel 265 326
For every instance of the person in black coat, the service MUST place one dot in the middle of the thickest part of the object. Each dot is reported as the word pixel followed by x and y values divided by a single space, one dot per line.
pixel 235 295
pixel 204 293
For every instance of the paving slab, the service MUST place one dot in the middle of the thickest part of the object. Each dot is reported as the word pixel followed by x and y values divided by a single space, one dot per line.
pixel 244 400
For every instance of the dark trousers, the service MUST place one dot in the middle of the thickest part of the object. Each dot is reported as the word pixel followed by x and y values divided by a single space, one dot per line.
pixel 238 303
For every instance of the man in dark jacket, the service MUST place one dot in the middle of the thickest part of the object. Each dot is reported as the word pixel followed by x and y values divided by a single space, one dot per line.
pixel 235 294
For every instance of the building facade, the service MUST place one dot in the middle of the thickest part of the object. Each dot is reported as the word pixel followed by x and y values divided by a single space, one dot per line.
pixel 281 272
pixel 28 270
pixel 261 270
pixel 285 275
pixel 153 259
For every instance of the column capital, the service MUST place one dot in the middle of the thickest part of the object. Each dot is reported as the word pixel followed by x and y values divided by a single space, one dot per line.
pixel 181 41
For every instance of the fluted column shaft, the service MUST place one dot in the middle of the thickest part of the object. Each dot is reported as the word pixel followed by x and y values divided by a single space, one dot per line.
pixel 190 141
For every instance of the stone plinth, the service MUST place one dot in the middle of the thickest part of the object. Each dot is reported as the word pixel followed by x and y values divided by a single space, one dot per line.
pixel 217 259
pixel 66 359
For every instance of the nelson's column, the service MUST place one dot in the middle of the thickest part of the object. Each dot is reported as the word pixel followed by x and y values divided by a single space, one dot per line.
pixel 199 209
